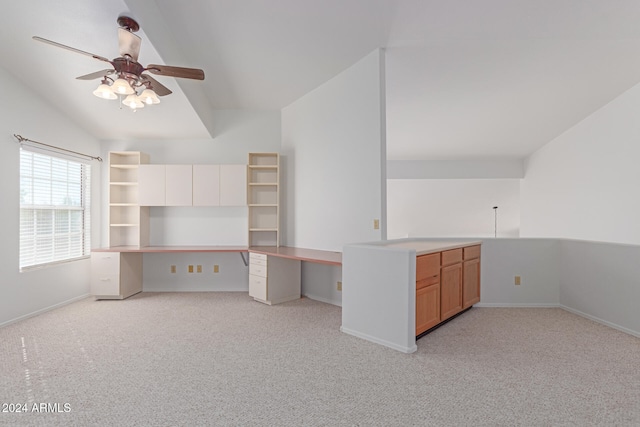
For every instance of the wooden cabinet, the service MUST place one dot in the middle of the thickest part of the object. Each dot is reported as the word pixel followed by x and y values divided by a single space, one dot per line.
pixel 447 282
pixel 263 199
pixel 427 292
pixel 273 280
pixel 128 221
pixel 115 275
pixel 451 291
pixel 471 276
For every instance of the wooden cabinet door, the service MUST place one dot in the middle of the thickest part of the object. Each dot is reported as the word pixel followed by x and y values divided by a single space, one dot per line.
pixel 471 283
pixel 427 307
pixel 450 290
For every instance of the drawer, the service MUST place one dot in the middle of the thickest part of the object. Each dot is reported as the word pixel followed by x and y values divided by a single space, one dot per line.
pixel 258 261
pixel 433 280
pixel 258 287
pixel 427 266
pixel 452 257
pixel 105 284
pixel 258 270
pixel 256 256
pixel 105 262
pixel 471 252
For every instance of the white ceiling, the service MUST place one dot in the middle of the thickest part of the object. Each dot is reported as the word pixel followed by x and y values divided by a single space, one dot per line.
pixel 465 79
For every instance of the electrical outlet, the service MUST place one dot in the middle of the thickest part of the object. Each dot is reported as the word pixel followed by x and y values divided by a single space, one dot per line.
pixel 199 269
pixel 376 224
pixel 191 269
pixel 173 268
pixel 340 286
pixel 517 280
pixel 216 268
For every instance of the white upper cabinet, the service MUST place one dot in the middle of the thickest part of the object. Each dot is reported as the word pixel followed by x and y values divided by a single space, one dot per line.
pixel 151 185
pixel 193 185
pixel 178 185
pixel 233 185
pixel 206 185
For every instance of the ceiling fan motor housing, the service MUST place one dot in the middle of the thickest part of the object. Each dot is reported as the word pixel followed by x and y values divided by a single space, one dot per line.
pixel 128 69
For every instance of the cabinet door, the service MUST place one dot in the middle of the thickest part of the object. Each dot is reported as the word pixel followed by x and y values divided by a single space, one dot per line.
pixel 427 307
pixel 206 185
pixel 471 283
pixel 233 185
pixel 179 185
pixel 151 185
pixel 450 290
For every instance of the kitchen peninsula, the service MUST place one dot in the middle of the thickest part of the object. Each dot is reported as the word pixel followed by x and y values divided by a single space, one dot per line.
pixel 396 290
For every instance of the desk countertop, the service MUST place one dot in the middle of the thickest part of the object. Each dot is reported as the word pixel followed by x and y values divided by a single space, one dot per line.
pixel 302 254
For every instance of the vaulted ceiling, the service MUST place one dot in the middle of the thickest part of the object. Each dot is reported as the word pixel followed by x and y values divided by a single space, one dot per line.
pixel 464 79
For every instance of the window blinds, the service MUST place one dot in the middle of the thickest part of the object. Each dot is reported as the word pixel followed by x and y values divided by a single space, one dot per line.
pixel 54 209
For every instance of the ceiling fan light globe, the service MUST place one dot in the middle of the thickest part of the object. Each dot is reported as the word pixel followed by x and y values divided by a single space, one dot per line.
pixel 133 102
pixel 148 96
pixel 104 91
pixel 122 87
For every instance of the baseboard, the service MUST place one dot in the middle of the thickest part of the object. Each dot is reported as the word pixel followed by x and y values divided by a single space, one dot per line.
pixel 379 341
pixel 516 305
pixel 325 300
pixel 601 321
pixel 44 310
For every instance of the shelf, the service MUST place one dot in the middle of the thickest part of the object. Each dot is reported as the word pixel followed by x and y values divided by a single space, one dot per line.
pixel 124 166
pixel 263 199
pixel 123 183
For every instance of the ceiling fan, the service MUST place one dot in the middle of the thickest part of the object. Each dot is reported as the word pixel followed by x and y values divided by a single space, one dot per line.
pixel 130 76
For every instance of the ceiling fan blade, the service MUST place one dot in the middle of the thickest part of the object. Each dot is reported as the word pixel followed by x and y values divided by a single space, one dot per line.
pixel 73 49
pixel 157 87
pixel 166 70
pixel 129 43
pixel 97 74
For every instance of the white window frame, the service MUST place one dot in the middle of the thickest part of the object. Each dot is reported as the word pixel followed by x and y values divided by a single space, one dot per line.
pixel 59 242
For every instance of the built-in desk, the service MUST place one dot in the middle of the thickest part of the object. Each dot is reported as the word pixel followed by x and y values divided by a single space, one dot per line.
pixel 275 271
pixel 117 271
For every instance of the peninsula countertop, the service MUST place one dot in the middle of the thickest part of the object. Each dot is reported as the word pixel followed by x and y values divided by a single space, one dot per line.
pixel 423 247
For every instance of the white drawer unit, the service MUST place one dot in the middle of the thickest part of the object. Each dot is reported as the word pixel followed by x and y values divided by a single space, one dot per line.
pixel 115 275
pixel 273 280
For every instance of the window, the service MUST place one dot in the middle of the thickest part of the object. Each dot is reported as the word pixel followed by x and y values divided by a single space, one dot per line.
pixel 54 209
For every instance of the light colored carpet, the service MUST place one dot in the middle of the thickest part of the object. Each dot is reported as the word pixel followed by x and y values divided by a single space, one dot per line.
pixel 172 359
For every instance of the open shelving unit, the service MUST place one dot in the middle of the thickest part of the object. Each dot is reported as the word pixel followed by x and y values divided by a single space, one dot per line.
pixel 263 199
pixel 128 222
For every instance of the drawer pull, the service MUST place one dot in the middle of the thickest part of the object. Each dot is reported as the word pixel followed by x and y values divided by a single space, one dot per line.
pixel 105 279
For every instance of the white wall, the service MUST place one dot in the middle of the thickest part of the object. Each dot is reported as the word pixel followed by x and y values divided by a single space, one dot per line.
pixel 452 207
pixel 600 281
pixel 23 112
pixel 584 183
pixel 238 133
pixel 334 139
